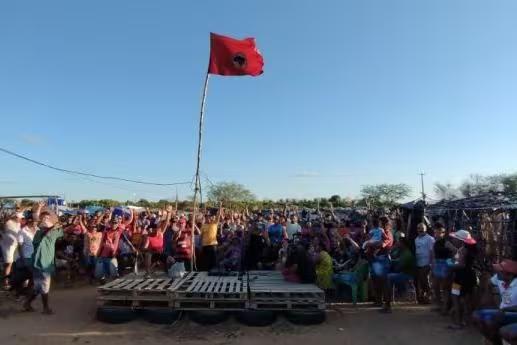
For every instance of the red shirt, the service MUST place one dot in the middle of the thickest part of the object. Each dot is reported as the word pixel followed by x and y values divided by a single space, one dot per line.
pixel 183 245
pixel 387 240
pixel 109 243
pixel 74 229
pixel 156 243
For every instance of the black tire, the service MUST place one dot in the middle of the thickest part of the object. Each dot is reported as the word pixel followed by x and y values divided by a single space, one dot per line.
pixel 116 315
pixel 306 317
pixel 256 318
pixel 161 316
pixel 208 317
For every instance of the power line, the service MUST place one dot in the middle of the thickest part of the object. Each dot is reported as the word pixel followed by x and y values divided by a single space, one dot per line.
pixel 87 174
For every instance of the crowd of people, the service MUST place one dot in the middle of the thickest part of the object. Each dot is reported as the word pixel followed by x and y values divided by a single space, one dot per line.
pixel 326 250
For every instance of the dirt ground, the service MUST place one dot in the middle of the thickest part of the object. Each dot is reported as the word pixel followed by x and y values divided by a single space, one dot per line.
pixel 74 323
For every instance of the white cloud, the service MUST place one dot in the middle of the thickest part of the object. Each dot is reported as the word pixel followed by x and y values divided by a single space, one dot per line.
pixel 32 139
pixel 304 174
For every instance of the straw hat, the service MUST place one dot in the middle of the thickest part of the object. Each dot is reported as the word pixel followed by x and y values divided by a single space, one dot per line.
pixel 464 236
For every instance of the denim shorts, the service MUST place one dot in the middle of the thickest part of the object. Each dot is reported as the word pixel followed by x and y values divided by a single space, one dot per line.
pixel 90 261
pixel 106 268
pixel 441 269
pixel 399 278
pixel 381 265
pixel 41 282
pixel 488 315
pixel 348 278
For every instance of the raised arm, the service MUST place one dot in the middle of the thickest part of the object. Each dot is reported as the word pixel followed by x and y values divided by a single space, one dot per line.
pixel 333 214
pixel 126 222
pixel 220 213
pixel 81 224
pixel 165 219
pixel 36 210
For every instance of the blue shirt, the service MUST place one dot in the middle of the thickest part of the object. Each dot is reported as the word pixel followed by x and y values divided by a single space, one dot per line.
pixel 376 234
pixel 275 232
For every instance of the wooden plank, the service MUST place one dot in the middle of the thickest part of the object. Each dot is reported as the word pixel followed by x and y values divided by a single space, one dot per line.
pixel 209 286
pixel 176 283
pixel 133 284
pixel 121 284
pixel 154 284
pixel 144 283
pixel 163 284
pixel 193 286
pixel 112 283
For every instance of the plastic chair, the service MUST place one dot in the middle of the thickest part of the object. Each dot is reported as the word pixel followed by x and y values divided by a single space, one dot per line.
pixel 356 280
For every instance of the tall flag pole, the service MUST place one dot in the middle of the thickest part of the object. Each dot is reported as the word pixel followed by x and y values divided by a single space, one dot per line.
pixel 198 161
pixel 228 57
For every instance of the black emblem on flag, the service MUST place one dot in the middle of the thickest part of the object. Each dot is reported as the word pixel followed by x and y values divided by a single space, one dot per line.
pixel 239 60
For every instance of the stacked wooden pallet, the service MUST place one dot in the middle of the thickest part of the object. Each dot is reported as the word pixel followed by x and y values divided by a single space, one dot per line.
pixel 136 292
pixel 260 290
pixel 200 291
pixel 269 291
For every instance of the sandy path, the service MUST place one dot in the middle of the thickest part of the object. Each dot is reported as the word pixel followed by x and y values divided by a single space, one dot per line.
pixel 74 323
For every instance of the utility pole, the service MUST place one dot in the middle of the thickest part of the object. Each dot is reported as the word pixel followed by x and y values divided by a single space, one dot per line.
pixel 423 195
pixel 422 182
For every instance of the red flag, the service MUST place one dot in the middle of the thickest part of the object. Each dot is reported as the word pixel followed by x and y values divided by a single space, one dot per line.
pixel 229 56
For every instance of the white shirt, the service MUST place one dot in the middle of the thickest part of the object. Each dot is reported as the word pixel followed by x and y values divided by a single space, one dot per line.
pixel 423 247
pixel 293 228
pixel 25 237
pixel 10 233
pixel 508 295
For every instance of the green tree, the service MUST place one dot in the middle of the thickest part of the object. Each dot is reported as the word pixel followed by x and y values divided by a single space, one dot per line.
pixel 477 184
pixel 335 200
pixel 107 203
pixel 384 195
pixel 229 192
pixel 509 183
pixel 144 203
pixel 445 191
pixel 26 202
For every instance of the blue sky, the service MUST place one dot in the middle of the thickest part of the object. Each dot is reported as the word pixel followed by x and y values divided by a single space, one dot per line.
pixel 353 93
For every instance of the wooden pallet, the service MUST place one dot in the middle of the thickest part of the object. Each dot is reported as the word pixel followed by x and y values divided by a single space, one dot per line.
pixel 200 304
pixel 201 286
pixel 264 290
pixel 136 292
pixel 276 304
pixel 269 291
pixel 199 291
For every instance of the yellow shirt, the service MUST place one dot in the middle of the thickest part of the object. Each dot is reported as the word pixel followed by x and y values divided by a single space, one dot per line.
pixel 209 234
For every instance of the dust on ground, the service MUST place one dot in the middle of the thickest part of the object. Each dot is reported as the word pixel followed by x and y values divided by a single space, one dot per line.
pixel 74 323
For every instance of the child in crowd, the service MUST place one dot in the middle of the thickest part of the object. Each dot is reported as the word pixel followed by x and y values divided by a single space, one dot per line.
pixel 282 255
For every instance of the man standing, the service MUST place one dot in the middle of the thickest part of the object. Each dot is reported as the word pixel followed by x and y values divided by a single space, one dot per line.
pixel 275 232
pixel 26 249
pixel 107 261
pixel 9 244
pixel 443 250
pixel 293 227
pixel 44 252
pixel 424 244
pixel 209 240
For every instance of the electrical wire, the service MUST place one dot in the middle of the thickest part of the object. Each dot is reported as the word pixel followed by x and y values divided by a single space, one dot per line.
pixel 88 174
